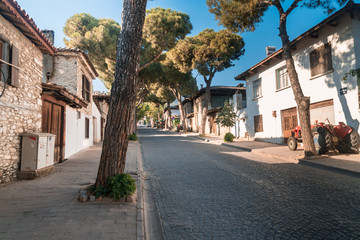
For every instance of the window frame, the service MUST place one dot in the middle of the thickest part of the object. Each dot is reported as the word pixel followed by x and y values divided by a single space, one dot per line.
pixel 86 88
pixel 321 61
pixel 277 78
pixel 259 86
pixel 87 128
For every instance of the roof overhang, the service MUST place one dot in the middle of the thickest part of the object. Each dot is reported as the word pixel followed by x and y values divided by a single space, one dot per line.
pixel 62 94
pixel 312 33
pixel 12 12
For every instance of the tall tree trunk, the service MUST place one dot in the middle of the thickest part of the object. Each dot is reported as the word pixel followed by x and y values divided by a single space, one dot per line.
pixel 123 92
pixel 205 109
pixel 169 118
pixel 303 102
pixel 182 114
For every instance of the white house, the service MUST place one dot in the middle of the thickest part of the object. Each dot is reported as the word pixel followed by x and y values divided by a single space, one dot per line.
pixel 323 55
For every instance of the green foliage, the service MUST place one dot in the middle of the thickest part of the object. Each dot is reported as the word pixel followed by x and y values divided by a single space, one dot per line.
pixel 164 27
pixel 227 117
pixel 142 111
pixel 176 121
pixel 121 186
pixel 133 137
pixel 98 38
pixel 100 191
pixel 353 73
pixel 245 15
pixel 208 52
pixel 229 137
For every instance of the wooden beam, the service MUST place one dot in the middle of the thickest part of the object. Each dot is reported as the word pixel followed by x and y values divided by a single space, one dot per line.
pixel 313 35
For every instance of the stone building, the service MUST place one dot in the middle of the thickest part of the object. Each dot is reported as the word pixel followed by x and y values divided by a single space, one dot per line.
pixel 68 111
pixel 22 46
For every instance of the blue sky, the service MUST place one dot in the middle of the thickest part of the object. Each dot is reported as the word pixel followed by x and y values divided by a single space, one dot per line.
pixel 50 14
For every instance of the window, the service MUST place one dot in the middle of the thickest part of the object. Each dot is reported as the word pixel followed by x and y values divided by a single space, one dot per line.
pixel 85 88
pixel 257 88
pixel 9 63
pixel 87 125
pixel 320 60
pixel 258 123
pixel 282 78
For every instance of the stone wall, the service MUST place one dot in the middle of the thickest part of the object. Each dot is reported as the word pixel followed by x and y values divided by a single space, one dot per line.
pixel 68 70
pixel 20 108
pixel 65 71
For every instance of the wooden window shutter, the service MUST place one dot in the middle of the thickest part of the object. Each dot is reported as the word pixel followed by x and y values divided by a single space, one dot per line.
pixel 327 57
pixel 14 71
pixel 83 86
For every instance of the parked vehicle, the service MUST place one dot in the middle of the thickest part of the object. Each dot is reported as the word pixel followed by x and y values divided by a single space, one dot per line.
pixel 340 138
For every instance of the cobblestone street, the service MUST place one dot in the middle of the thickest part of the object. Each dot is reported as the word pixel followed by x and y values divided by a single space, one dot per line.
pixel 205 191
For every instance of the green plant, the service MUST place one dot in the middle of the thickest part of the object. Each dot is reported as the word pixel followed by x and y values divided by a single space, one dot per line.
pixel 227 117
pixel 133 137
pixel 100 191
pixel 229 137
pixel 121 186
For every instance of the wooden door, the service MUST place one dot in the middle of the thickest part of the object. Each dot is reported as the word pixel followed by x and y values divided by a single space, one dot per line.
pixel 289 121
pixel 56 128
pixel 52 122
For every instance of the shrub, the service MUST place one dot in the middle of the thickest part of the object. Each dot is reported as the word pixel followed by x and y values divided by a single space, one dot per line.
pixel 133 137
pixel 121 186
pixel 229 137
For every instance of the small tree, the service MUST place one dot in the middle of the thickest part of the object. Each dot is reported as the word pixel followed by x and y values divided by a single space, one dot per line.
pixel 209 52
pixel 227 117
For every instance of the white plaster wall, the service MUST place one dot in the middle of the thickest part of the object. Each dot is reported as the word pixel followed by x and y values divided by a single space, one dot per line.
pixel 75 140
pixel 96 122
pixel 319 89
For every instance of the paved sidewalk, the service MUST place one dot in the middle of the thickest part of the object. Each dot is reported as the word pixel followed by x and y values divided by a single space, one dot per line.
pixel 47 208
pixel 347 163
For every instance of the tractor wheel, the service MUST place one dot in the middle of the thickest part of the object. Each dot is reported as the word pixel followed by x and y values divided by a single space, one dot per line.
pixel 354 141
pixel 320 140
pixel 292 143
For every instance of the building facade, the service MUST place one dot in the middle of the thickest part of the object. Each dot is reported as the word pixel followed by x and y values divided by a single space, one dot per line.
pixel 323 55
pixel 22 46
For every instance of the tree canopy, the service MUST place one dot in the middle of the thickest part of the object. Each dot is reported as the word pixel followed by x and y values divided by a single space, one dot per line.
pixel 208 52
pixel 244 15
pixel 98 37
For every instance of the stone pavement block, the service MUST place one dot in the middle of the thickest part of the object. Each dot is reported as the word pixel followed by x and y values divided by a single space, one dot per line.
pixel 48 207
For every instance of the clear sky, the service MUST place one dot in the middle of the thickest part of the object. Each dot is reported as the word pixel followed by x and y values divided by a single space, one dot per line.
pixel 51 14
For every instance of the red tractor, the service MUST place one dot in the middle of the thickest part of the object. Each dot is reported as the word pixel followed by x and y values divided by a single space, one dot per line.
pixel 340 138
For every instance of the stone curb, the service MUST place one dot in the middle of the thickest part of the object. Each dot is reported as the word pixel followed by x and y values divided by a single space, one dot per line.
pixel 312 163
pixel 140 224
pixel 237 147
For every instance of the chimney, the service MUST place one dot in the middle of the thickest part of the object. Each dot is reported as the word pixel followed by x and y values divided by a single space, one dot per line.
pixel 49 34
pixel 201 86
pixel 270 50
